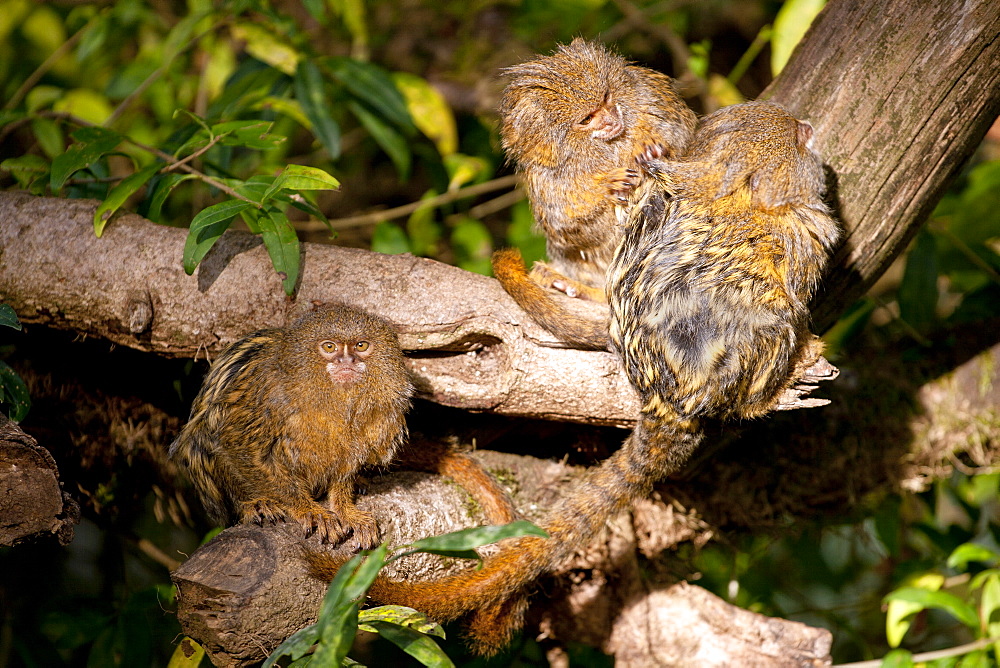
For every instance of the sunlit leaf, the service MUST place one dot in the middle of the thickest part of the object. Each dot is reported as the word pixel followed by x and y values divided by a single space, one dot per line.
pixel 311 93
pixel 207 227
pixel 429 110
pixel 899 611
pixel 402 616
pixel 941 600
pixel 963 554
pixel 723 91
pixel 49 135
pixel 790 25
pixel 463 169
pixel 91 145
pixel 268 47
pixel 301 177
pixel 187 654
pixel 84 103
pixel 120 193
pixel 898 658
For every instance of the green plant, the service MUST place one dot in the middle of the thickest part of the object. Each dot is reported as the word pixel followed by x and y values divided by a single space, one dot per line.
pixel 327 642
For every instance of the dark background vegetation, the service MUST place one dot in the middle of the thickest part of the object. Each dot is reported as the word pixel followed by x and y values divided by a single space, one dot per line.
pixel 106 598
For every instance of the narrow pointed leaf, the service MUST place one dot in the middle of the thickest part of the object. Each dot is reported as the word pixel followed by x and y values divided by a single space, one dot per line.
pixel 120 193
pixel 312 97
pixel 92 144
pixel 282 245
pixel 207 227
pixel 420 647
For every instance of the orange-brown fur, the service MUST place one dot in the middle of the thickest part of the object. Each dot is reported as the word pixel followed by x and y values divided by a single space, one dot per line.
pixel 577 123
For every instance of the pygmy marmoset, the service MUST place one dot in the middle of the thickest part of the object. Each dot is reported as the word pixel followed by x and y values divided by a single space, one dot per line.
pixel 287 417
pixel 576 123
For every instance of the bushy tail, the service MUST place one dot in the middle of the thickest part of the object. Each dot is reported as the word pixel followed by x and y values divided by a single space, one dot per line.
pixel 580 332
pixel 495 596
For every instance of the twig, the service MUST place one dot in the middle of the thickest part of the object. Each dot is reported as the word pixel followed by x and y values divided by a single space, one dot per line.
pixel 156 74
pixel 171 161
pixel 407 209
pixel 928 656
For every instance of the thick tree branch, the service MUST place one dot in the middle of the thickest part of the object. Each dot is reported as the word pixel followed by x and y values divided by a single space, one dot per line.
pixel 900 94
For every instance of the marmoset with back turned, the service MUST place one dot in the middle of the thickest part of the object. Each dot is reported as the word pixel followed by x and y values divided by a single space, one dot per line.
pixel 287 417
pixel 576 124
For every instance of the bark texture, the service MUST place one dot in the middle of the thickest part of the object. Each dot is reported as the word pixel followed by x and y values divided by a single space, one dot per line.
pixel 33 505
pixel 900 93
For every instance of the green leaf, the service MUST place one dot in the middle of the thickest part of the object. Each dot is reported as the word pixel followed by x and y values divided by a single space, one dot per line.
pixel 417 645
pixel 248 134
pixel 312 96
pixel 8 318
pixel 918 290
pixel 898 658
pixel 401 615
pixel 463 169
pixel 335 642
pixel 13 393
pixel 375 87
pixel 295 646
pixel 268 47
pixel 207 227
pixel 898 612
pixel 473 245
pixel 429 110
pixel 49 135
pixel 92 144
pixel 84 103
pixel 162 187
pixel 389 238
pixel 120 193
pixel 26 168
pixel 391 141
pixel 961 556
pixel 459 543
pixel 301 177
pixel 187 654
pixel 989 609
pixel 941 600
pixel 282 245
pixel 790 25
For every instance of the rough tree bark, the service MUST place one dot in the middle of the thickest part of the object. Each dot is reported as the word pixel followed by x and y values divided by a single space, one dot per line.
pixel 900 93
pixel 33 504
